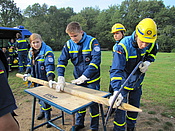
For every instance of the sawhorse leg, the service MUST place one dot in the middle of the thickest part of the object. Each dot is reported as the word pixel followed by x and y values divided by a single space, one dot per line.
pixel 102 115
pixel 33 113
pixel 50 122
pixel 62 114
pixel 73 122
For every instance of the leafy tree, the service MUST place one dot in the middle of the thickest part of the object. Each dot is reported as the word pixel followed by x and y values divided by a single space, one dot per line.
pixel 58 19
pixel 79 18
pixel 105 20
pixel 35 18
pixel 10 15
pixel 51 22
pixel 133 11
pixel 166 29
pixel 90 14
pixel 36 10
pixel 166 38
pixel 129 14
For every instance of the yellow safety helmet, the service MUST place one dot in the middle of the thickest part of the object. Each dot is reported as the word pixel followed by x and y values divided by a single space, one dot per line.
pixel 10 50
pixel 147 30
pixel 15 61
pixel 118 27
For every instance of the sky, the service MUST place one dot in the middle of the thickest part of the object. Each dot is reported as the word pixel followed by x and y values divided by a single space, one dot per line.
pixel 77 5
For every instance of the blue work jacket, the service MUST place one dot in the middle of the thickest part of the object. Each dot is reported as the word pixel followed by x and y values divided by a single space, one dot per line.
pixel 22 45
pixel 85 56
pixel 44 63
pixel 11 51
pixel 126 56
pixel 7 100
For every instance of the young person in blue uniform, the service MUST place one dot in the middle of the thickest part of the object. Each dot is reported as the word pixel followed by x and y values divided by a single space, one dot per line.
pixel 7 100
pixel 118 30
pixel 41 65
pixel 22 46
pixel 11 52
pixel 140 46
pixel 84 52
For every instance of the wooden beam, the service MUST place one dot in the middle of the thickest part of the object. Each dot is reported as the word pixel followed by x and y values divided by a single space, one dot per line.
pixel 79 91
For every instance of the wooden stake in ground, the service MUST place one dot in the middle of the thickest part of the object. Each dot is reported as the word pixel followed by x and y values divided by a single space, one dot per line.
pixel 84 93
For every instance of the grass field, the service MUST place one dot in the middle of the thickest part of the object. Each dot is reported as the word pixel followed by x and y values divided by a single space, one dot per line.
pixel 158 88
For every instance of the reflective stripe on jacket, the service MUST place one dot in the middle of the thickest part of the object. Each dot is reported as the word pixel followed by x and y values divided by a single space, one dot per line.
pixel 44 63
pixel 85 56
pixel 126 56
pixel 22 45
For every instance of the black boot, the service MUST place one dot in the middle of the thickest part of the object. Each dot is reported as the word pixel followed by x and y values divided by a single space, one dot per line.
pixel 40 116
pixel 48 117
pixel 78 127
pixel 130 129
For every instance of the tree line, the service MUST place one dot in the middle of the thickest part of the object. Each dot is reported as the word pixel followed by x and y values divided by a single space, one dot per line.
pixel 51 21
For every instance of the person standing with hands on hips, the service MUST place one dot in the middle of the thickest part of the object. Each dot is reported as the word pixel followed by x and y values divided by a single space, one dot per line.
pixel 84 52
pixel 41 66
pixel 140 46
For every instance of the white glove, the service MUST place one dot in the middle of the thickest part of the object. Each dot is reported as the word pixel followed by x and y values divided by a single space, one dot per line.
pixel 60 84
pixel 144 66
pixel 117 101
pixel 80 80
pixel 51 82
pixel 25 77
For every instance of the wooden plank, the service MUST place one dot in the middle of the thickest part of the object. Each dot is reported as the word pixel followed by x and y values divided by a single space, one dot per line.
pixel 79 91
pixel 62 99
pixel 85 93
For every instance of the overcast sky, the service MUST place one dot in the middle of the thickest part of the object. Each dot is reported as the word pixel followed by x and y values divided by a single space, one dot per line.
pixel 77 5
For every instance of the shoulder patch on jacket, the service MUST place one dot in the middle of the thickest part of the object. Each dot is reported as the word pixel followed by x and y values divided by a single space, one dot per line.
pixel 97 48
pixel 50 59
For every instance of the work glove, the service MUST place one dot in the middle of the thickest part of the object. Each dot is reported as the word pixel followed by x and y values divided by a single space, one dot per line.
pixel 117 101
pixel 144 66
pixel 51 82
pixel 60 84
pixel 25 77
pixel 80 80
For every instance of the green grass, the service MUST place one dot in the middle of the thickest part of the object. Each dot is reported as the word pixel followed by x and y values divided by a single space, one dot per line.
pixel 159 84
pixel 152 112
pixel 167 126
pixel 158 87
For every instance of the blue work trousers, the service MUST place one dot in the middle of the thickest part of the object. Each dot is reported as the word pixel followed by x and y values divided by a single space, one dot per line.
pixel 46 108
pixel 123 118
pixel 94 113
pixel 94 110
pixel 22 60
